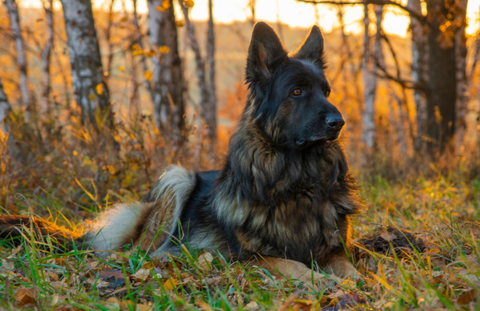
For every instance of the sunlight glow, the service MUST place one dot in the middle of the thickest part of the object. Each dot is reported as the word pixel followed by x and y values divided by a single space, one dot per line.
pixel 293 13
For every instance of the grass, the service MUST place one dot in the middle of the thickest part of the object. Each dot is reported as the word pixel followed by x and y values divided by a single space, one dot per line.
pixel 443 210
pixel 73 173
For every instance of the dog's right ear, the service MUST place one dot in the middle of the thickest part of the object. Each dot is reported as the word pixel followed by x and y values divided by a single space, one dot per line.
pixel 265 53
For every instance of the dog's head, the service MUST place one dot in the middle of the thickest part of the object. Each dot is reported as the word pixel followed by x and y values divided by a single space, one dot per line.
pixel 288 92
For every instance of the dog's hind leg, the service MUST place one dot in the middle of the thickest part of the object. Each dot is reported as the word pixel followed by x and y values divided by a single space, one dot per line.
pixel 280 267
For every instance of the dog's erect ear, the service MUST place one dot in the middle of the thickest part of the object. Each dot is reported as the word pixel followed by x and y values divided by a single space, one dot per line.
pixel 312 48
pixel 265 53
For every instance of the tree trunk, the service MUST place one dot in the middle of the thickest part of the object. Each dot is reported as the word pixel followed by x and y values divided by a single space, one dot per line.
pixel 139 42
pixel 91 92
pixel 207 115
pixel 168 101
pixel 21 56
pixel 442 81
pixel 47 51
pixel 461 62
pixel 419 71
pixel 370 86
pixel 251 5
pixel 211 110
pixel 5 109
pixel 108 36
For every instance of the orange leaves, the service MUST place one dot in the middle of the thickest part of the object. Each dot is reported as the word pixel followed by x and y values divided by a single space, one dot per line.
pixel 189 3
pixel 165 6
pixel 148 75
pixel 99 88
pixel 164 49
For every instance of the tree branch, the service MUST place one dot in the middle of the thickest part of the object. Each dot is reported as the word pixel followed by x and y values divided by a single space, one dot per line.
pixel 412 13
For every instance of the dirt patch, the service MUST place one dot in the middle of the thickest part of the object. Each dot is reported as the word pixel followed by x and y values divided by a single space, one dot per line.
pixel 383 239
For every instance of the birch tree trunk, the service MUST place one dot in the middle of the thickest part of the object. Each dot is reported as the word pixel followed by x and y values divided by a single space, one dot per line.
pixel 46 54
pixel 211 110
pixel 21 56
pixel 419 71
pixel 139 42
pixel 108 36
pixel 91 92
pixel 168 103
pixel 370 86
pixel 200 66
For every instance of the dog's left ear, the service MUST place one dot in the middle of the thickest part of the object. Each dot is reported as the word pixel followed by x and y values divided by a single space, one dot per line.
pixel 312 49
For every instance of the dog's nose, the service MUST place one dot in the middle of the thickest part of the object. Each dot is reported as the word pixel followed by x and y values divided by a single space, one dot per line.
pixel 335 122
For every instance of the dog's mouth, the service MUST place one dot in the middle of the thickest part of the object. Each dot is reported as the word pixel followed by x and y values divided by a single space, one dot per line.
pixel 315 140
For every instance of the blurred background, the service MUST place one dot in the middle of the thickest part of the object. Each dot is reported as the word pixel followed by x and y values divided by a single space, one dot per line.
pixel 97 97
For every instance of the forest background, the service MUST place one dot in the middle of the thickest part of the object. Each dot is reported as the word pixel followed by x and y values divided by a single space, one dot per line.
pixel 96 100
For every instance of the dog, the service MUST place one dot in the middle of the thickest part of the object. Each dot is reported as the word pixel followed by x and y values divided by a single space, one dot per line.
pixel 284 198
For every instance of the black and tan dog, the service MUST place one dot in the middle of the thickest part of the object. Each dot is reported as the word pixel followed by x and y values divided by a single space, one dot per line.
pixel 283 197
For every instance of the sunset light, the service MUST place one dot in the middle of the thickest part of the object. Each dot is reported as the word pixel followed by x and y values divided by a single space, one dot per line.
pixel 296 14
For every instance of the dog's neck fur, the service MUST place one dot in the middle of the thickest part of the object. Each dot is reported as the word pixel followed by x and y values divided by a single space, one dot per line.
pixel 273 171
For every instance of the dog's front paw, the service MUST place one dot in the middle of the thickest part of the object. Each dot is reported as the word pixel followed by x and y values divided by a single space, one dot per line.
pixel 319 279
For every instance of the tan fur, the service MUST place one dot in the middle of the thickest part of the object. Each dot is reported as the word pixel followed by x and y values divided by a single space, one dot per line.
pixel 291 269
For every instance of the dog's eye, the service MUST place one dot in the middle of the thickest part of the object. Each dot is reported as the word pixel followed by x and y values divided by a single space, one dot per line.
pixel 296 92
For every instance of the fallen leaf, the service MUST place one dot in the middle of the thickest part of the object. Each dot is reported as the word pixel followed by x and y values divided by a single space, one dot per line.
pixel 388 236
pixel 337 294
pixel 25 296
pixel 141 275
pixel 205 261
pixel 251 305
pixel 466 297
pixel 170 284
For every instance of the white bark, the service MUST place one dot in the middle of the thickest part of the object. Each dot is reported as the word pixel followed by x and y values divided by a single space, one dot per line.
pixel 370 86
pixel 143 60
pixel 20 47
pixel 85 59
pixel 200 64
pixel 108 36
pixel 168 98
pixel 47 51
pixel 419 70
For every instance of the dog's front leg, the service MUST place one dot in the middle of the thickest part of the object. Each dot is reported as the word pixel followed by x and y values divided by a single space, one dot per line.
pixel 342 267
pixel 280 267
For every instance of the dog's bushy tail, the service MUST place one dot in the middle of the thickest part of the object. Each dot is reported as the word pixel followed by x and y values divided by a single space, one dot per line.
pixel 12 228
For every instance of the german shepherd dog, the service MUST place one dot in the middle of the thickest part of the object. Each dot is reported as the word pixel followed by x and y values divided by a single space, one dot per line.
pixel 284 196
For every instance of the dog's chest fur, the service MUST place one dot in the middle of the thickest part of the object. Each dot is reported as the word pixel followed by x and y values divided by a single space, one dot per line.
pixel 286 205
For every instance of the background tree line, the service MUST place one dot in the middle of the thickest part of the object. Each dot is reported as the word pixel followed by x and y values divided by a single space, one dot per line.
pixel 405 97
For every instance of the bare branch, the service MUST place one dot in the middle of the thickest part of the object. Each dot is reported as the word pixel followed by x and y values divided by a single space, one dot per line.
pixel 412 13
